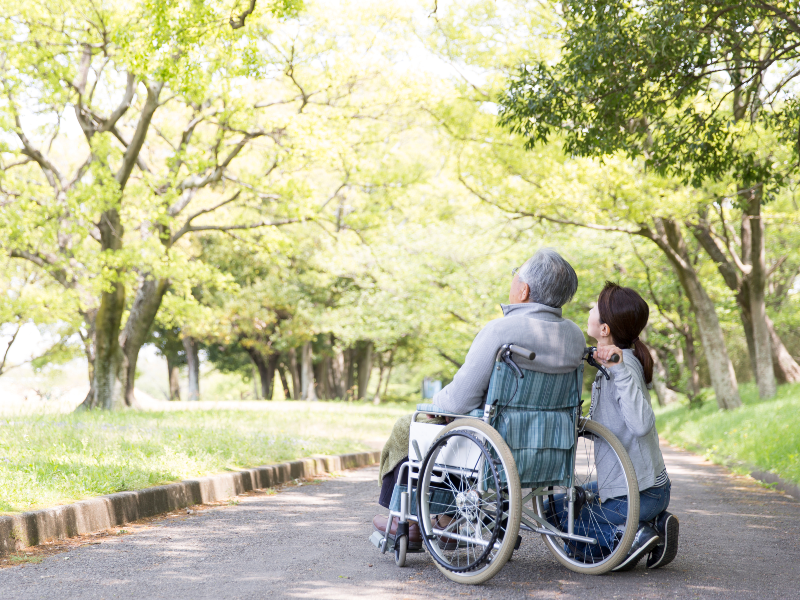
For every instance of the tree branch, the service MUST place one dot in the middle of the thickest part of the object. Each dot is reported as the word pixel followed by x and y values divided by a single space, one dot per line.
pixel 195 228
pixel 702 233
pixel 49 169
pixel 238 22
pixel 132 152
pixel 196 181
pixel 124 105
pixel 8 349
pixel 187 225
pixel 46 263
pixel 447 358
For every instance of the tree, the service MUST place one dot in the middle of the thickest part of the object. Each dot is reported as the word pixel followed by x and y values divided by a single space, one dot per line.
pixel 169 344
pixel 697 90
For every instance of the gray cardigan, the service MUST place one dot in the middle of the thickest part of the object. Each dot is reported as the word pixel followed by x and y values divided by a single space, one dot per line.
pixel 623 405
pixel 558 343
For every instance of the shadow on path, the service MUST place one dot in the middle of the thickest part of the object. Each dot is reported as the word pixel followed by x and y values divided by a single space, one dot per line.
pixel 738 540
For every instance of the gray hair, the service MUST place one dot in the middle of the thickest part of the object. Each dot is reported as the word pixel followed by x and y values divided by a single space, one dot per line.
pixel 551 279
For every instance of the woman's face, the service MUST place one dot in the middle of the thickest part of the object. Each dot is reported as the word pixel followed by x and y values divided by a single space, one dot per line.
pixel 593 326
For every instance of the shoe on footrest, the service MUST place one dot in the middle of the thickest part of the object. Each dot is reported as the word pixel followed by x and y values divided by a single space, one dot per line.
pixel 445 542
pixel 667 526
pixel 414 536
pixel 646 539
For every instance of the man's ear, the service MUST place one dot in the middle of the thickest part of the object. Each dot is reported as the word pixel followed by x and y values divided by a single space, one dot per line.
pixel 524 291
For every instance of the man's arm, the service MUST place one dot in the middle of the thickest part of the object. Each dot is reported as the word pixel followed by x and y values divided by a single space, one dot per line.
pixel 467 391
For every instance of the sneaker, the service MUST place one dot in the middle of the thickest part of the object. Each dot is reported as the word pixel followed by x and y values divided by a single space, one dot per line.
pixel 414 536
pixel 667 526
pixel 646 539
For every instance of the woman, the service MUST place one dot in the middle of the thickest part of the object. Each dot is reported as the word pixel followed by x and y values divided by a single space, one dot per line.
pixel 622 404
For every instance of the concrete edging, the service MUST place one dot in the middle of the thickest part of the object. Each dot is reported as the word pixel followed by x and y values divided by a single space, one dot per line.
pixel 780 484
pixel 114 510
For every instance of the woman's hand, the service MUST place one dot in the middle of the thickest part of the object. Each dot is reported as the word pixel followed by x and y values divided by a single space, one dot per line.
pixel 603 355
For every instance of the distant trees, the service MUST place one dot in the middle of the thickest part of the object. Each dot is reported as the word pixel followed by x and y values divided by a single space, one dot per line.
pixel 702 92
pixel 307 203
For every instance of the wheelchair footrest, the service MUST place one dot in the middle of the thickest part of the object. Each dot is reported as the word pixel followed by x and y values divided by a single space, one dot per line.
pixel 377 539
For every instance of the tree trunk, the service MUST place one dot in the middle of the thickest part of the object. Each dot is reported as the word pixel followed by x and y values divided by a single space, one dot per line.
pixel 322 378
pixel 765 376
pixel 266 366
pixel 691 362
pixel 338 375
pixel 723 377
pixel 108 354
pixel 89 340
pixel 268 386
pixel 376 398
pixel 308 388
pixel 364 369
pixel 388 374
pixel 193 366
pixel 295 373
pixel 661 379
pixel 174 379
pixel 349 373
pixel 786 368
pixel 284 381
pixel 743 301
pixel 137 327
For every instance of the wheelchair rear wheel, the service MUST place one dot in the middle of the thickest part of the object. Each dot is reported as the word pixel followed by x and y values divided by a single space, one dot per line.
pixel 469 480
pixel 594 443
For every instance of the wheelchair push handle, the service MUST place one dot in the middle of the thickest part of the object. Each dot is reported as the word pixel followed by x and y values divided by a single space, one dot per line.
pixel 588 355
pixel 523 352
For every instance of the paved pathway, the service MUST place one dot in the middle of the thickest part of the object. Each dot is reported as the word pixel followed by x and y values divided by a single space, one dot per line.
pixel 738 540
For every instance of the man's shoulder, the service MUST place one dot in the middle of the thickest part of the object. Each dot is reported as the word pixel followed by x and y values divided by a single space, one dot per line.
pixel 512 322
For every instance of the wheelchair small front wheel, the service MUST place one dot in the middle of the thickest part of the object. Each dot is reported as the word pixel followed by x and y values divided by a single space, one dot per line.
pixel 470 501
pixel 400 549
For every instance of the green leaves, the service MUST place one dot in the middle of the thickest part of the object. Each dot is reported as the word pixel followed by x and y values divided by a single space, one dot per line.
pixel 679 83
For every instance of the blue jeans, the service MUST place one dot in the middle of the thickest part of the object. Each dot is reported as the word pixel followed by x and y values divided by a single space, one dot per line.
pixel 600 520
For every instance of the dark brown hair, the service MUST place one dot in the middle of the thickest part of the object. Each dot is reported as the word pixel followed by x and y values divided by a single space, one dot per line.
pixel 626 313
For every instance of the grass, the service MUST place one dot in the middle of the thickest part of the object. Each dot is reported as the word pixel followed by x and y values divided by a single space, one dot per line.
pixel 55 459
pixel 762 433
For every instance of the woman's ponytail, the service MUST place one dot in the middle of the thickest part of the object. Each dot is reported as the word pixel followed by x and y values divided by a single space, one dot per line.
pixel 626 314
pixel 642 354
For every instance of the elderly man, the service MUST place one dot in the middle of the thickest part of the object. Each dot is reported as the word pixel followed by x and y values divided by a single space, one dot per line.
pixel 533 320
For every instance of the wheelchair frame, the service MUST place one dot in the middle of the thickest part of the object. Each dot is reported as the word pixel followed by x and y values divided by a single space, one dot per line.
pixel 410 472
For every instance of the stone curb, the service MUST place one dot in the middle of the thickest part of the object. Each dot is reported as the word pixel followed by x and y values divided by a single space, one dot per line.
pixel 780 484
pixel 88 516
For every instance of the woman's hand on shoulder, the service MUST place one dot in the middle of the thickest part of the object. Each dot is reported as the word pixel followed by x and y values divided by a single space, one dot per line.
pixel 603 355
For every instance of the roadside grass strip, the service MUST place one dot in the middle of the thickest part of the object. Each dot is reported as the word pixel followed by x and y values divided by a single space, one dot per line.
pixel 47 460
pixel 762 433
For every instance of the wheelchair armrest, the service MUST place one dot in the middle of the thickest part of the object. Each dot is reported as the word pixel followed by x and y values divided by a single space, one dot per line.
pixel 432 409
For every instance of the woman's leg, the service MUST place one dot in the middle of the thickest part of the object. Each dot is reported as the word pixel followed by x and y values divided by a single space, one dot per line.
pixel 652 502
pixel 597 520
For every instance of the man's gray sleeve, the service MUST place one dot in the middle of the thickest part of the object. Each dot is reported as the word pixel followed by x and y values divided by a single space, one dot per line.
pixel 468 389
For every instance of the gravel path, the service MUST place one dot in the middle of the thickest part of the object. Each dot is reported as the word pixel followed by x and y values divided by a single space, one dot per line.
pixel 738 540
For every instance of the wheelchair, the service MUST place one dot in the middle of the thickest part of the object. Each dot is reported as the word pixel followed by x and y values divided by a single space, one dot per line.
pixel 463 482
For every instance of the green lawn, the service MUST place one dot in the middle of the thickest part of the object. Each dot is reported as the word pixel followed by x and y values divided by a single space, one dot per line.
pixel 55 459
pixel 765 433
